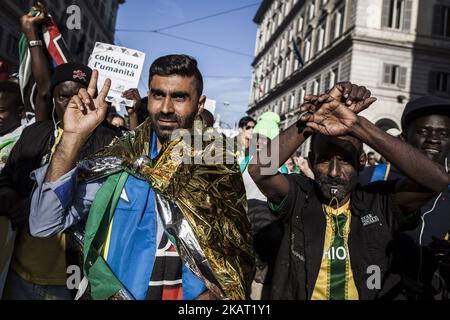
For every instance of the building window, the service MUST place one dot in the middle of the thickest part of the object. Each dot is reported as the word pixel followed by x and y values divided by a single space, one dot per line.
pixel 292 101
pixel 273 81
pixel 261 87
pixel 300 23
pixel 394 75
pixel 316 86
pixel 292 59
pixel 397 14
pixel 441 21
pixel 279 73
pixel 277 49
pixel 331 78
pixel 336 24
pixel 307 50
pixel 273 25
pixel 339 23
pixel 302 93
pixel 335 76
pixel 280 6
pixel 320 38
pixel 311 9
pixel 288 67
pixel 439 83
pixel 442 82
pixel 287 8
pixel 260 39
pixel 280 18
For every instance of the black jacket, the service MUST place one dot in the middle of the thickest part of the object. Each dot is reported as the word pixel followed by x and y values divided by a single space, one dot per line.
pixel 375 217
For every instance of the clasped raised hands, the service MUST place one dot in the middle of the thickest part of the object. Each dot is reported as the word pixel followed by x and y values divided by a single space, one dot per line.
pixel 335 112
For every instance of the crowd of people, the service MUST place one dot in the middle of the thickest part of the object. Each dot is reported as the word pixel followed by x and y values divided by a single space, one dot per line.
pixel 84 186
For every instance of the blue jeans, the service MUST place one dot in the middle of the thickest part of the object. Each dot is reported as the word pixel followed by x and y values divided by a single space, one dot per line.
pixel 18 289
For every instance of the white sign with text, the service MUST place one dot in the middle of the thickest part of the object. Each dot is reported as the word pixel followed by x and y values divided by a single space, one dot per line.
pixel 122 65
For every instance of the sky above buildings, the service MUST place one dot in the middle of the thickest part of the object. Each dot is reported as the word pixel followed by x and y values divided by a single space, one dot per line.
pixel 227 75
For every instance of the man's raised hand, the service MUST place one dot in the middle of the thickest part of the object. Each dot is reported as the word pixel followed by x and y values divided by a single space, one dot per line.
pixel 29 23
pixel 84 113
pixel 335 112
pixel 356 98
pixel 333 118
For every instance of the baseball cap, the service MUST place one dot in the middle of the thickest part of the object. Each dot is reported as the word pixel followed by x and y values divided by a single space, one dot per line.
pixel 424 106
pixel 71 71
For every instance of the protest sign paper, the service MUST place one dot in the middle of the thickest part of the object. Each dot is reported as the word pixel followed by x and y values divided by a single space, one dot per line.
pixel 122 65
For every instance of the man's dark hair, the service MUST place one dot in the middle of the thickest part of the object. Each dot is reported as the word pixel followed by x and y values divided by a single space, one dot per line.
pixel 116 115
pixel 354 151
pixel 207 118
pixel 243 122
pixel 14 89
pixel 177 64
pixel 359 150
pixel 370 153
pixel 9 86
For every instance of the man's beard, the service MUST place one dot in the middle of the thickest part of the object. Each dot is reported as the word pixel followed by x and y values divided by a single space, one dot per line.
pixel 164 133
pixel 343 188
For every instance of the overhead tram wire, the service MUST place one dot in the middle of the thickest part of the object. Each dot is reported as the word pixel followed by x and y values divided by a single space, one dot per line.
pixel 204 44
pixel 141 82
pixel 227 77
pixel 158 31
pixel 191 21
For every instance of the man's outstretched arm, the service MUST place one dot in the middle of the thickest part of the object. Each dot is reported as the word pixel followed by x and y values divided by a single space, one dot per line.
pixel 273 184
pixel 265 174
pixel 426 177
pixel 83 114
pixel 59 201
pixel 39 65
pixel 56 206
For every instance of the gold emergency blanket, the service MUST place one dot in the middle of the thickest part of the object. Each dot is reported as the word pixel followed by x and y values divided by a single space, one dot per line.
pixel 203 206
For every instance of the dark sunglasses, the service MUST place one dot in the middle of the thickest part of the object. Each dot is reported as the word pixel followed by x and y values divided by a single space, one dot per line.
pixel 249 127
